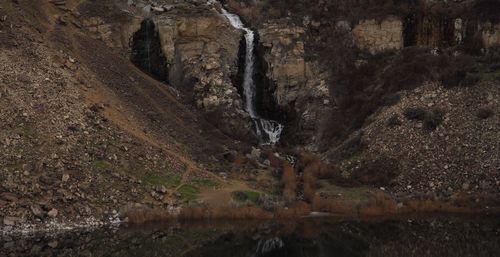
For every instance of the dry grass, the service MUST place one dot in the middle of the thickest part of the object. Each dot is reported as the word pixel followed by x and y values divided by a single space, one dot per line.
pixel 288 179
pixel 313 169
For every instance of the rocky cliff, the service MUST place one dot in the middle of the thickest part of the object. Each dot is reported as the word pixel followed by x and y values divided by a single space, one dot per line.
pixel 201 50
pixel 306 48
pixel 335 68
pixel 298 85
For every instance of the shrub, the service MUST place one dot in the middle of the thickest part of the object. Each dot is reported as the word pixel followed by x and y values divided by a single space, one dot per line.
pixel 433 119
pixel 470 79
pixel 188 192
pixel 393 121
pixel 456 69
pixel 484 112
pixel 416 113
pixel 486 10
pixel 452 77
pixel 409 68
pixel 244 196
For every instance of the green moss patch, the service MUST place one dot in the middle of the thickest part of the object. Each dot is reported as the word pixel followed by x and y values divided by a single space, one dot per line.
pixel 101 165
pixel 167 180
pixel 244 196
pixel 189 192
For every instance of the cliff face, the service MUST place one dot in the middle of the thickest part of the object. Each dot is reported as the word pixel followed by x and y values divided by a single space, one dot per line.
pixel 347 75
pixel 309 49
pixel 299 85
pixel 379 36
pixel 201 51
pixel 300 51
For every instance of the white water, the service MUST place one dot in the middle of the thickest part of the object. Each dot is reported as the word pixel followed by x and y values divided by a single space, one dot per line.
pixel 269 131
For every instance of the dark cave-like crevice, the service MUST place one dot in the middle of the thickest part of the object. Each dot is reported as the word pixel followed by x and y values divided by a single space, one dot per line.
pixel 421 29
pixel 238 78
pixel 147 53
pixel 409 33
pixel 265 102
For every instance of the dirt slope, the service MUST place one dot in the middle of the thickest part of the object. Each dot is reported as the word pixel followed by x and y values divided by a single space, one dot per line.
pixel 83 131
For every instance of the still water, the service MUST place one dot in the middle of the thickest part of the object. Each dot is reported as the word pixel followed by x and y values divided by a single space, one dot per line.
pixel 436 236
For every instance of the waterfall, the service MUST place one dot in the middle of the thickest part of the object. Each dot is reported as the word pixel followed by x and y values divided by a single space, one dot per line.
pixel 269 131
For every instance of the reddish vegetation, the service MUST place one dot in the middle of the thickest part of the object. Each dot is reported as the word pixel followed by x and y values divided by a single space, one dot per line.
pixel 313 169
pixel 379 204
pixel 289 181
pixel 275 161
pixel 298 209
pixel 142 215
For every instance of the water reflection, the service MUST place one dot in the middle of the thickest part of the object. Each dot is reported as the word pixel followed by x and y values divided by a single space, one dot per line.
pixel 303 238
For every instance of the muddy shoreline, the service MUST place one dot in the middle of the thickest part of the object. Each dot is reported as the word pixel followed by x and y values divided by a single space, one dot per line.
pixel 301 210
pixel 139 217
pixel 379 205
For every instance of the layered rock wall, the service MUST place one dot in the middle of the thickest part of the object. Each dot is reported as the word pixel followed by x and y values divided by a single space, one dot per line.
pixel 378 36
pixel 491 34
pixel 201 49
pixel 393 33
pixel 300 85
pixel 116 35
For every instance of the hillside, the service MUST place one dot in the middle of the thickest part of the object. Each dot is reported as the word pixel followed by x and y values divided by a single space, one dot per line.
pixel 135 110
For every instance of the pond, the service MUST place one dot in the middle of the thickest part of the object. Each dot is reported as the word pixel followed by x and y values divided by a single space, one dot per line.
pixel 430 236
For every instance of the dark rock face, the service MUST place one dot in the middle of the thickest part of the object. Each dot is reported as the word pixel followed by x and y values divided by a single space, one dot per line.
pixel 237 78
pixel 147 53
pixel 265 101
pixel 420 29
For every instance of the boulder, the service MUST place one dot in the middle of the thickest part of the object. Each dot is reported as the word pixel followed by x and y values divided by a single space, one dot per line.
pixel 53 213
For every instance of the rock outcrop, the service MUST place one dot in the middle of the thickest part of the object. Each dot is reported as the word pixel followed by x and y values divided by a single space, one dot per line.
pixel 300 86
pixel 378 36
pixel 201 50
pixel 491 34
pixel 116 35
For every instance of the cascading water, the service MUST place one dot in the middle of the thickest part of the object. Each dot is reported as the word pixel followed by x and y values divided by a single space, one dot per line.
pixel 269 131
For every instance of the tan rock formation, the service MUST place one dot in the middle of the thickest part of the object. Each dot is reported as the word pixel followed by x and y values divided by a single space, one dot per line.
pixel 201 49
pixel 300 85
pixel 375 36
pixel 491 35
pixel 115 35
